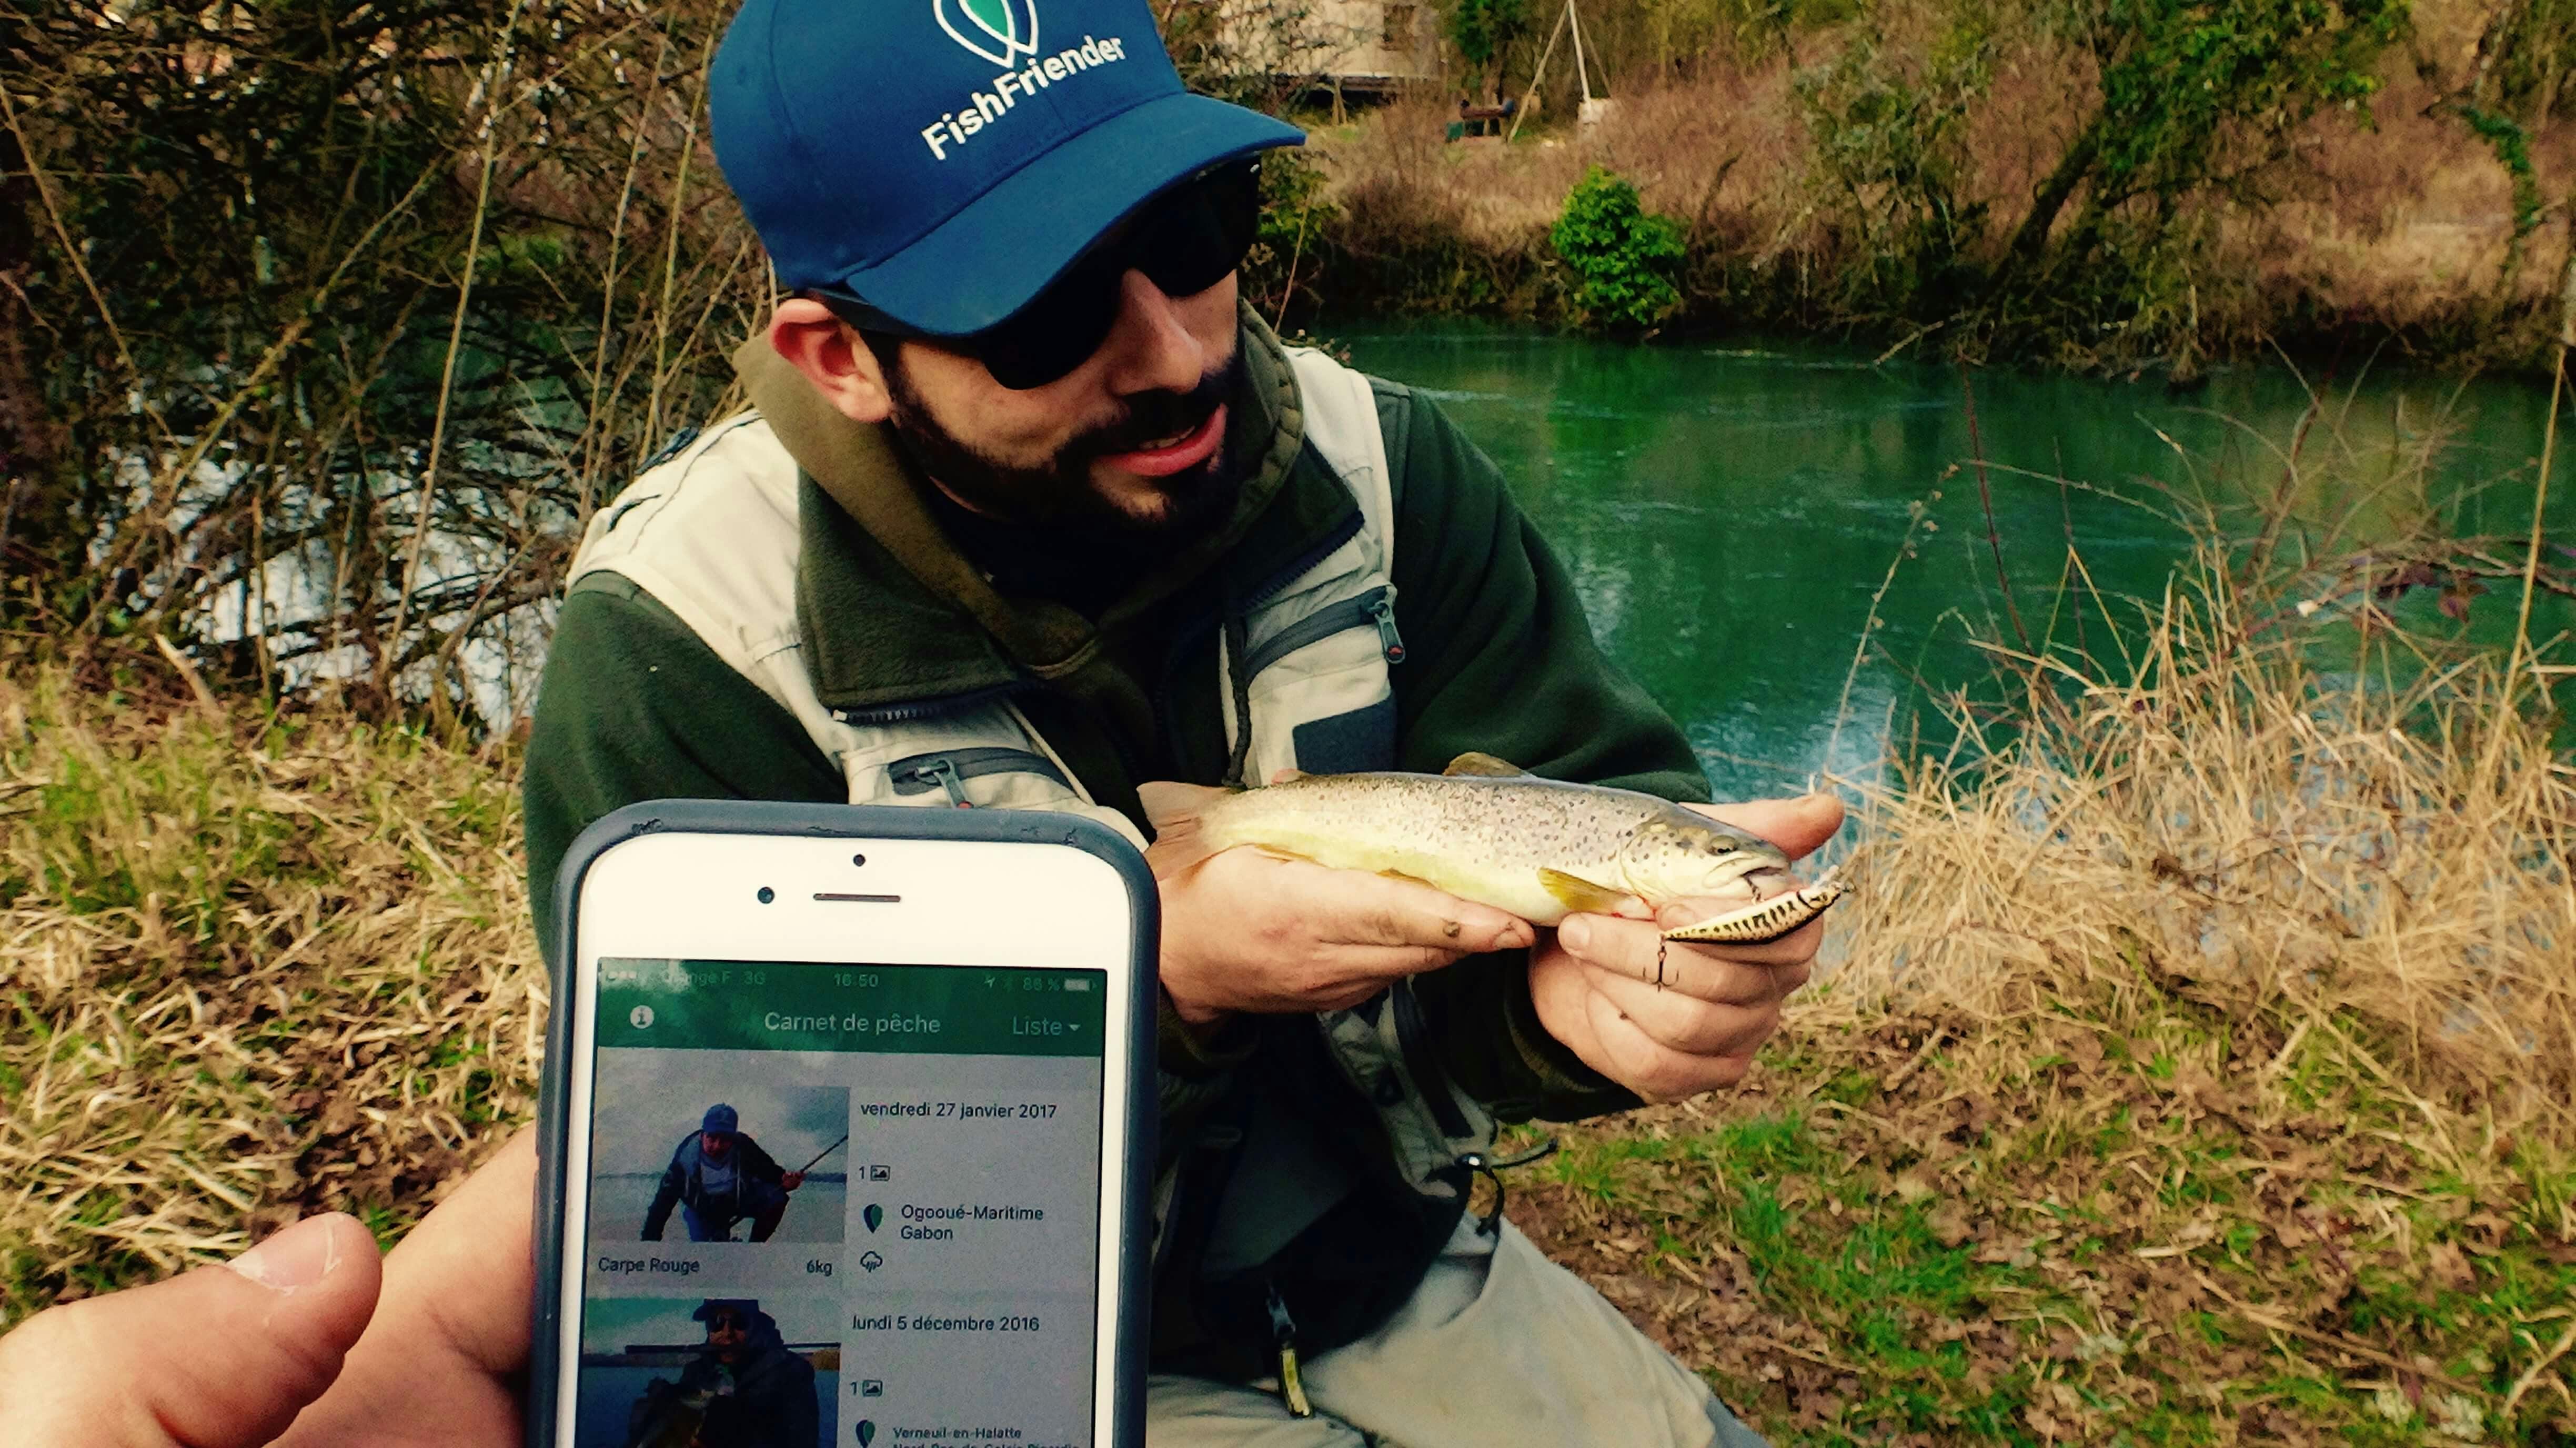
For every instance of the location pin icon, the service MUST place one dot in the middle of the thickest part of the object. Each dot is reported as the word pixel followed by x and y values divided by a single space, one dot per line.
pixel 873 1215
pixel 867 1432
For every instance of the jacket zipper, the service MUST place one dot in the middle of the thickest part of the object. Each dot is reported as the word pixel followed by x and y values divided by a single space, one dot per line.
pixel 1283 1332
pixel 925 772
pixel 931 708
pixel 1375 606
pixel 1193 632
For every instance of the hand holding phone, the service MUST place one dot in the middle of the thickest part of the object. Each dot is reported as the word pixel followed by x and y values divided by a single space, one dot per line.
pixel 848 1131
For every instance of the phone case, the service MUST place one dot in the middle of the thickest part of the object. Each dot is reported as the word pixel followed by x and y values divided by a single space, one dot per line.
pixel 756 817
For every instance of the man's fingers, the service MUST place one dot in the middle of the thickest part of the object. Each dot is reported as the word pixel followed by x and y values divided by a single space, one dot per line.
pixel 1798 826
pixel 454 1323
pixel 1679 1021
pixel 1720 974
pixel 1647 1066
pixel 1352 907
pixel 213 1358
pixel 468 1269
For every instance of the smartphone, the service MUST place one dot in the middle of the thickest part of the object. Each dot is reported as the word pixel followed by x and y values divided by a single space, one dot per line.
pixel 846 1131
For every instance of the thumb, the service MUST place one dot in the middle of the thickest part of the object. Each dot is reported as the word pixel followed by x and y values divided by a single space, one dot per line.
pixel 217 1357
pixel 1798 826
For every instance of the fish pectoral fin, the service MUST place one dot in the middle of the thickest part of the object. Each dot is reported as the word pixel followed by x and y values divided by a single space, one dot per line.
pixel 1485 766
pixel 1581 895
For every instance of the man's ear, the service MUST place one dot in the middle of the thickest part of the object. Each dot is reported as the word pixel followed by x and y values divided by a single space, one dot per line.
pixel 832 357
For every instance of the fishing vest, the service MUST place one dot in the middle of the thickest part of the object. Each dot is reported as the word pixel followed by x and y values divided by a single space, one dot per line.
pixel 715 539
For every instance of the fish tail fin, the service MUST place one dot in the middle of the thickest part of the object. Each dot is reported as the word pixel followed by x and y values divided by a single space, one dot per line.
pixel 1173 810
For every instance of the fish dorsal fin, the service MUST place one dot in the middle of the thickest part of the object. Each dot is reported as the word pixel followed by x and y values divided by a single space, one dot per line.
pixel 1581 895
pixel 1484 766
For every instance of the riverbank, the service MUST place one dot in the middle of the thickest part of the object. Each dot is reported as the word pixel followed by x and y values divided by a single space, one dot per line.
pixel 1875 179
pixel 2196 1061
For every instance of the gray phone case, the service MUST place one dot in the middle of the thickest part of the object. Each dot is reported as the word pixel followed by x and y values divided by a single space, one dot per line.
pixel 879 822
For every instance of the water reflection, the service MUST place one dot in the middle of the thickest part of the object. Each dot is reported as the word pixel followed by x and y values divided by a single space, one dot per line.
pixel 1727 512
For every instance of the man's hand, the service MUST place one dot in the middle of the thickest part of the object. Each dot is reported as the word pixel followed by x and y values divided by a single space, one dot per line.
pixel 1594 985
pixel 217 1357
pixel 230 1355
pixel 440 1364
pixel 790 1181
pixel 1248 931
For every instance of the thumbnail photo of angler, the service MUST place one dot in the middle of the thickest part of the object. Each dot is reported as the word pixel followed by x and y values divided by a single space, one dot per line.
pixel 719 1177
pixel 745 1388
pixel 713 1372
pixel 684 1150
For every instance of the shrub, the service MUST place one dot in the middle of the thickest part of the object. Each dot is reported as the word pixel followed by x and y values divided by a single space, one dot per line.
pixel 1623 253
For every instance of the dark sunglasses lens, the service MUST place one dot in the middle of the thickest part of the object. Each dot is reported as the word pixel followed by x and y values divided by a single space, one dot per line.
pixel 1199 235
pixel 1185 243
pixel 1054 334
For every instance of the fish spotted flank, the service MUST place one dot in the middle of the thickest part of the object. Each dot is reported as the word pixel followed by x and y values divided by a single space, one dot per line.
pixel 1488 832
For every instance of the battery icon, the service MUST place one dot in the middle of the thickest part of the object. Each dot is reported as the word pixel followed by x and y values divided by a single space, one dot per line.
pixel 1077 985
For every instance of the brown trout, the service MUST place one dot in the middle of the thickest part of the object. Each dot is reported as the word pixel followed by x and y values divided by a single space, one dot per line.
pixel 1489 832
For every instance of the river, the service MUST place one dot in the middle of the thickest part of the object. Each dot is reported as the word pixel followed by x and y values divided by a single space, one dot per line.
pixel 1727 511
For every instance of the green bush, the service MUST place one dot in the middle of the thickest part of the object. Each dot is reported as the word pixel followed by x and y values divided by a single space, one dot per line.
pixel 1623 253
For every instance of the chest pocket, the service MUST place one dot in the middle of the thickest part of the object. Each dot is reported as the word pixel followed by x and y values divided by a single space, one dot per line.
pixel 980 758
pixel 1321 700
pixel 948 774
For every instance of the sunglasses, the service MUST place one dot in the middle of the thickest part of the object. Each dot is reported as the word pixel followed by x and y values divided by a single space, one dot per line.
pixel 1185 241
pixel 725 1322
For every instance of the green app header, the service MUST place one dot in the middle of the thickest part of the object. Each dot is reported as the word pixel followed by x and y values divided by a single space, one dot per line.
pixel 736 1005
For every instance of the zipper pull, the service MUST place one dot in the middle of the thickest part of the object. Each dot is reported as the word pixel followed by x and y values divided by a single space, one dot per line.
pixel 943 772
pixel 1382 608
pixel 1283 1330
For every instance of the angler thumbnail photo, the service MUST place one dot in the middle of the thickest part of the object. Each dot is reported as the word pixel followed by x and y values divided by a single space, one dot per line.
pixel 687 1150
pixel 743 1372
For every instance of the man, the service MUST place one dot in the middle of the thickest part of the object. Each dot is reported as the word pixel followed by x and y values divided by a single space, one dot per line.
pixel 1030 512
pixel 718 1176
pixel 747 1390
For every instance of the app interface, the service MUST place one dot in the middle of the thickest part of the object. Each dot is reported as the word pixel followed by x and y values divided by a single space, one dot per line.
pixel 841 1204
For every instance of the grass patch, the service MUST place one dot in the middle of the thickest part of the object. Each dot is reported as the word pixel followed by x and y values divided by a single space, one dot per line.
pixel 254 965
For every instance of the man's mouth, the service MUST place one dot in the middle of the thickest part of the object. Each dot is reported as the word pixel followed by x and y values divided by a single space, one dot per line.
pixel 1177 453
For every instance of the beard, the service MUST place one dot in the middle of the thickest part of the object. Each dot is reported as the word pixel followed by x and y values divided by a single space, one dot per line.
pixel 1060 492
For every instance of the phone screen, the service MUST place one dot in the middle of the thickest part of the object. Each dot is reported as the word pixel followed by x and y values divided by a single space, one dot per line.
pixel 841 1204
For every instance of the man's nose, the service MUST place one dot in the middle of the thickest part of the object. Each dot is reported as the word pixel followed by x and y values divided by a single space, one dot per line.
pixel 1150 347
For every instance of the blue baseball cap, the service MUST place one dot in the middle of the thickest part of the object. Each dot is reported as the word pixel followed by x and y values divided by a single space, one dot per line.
pixel 719 1117
pixel 944 160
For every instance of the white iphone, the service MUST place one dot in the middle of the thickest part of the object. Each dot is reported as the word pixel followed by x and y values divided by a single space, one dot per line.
pixel 847 1131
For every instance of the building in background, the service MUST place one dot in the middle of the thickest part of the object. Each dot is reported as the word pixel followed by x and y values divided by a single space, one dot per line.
pixel 1349 50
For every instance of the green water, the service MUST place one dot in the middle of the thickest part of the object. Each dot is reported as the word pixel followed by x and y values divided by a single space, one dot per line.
pixel 1726 513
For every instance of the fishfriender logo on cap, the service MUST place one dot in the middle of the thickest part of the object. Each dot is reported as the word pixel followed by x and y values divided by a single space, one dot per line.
pixel 1000 31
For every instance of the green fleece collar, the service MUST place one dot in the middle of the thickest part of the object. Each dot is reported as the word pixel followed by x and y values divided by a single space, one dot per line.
pixel 893 614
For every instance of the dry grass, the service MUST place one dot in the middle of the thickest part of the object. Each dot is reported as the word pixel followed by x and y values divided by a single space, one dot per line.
pixel 2219 818
pixel 256 963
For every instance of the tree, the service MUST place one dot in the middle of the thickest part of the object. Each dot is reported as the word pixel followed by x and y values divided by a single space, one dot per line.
pixel 2195 94
pixel 1484 30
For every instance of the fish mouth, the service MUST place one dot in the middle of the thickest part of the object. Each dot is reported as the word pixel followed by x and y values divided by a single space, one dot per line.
pixel 1766 880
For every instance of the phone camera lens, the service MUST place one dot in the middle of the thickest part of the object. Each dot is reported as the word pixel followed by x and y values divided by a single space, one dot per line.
pixel 767 894
pixel 858 859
